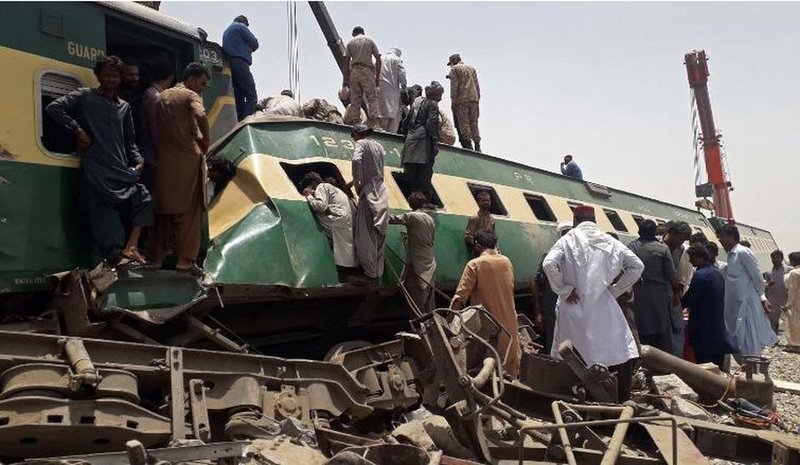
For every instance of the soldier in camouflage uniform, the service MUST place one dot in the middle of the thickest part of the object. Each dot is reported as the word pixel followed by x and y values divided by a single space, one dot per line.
pixel 362 76
pixel 465 93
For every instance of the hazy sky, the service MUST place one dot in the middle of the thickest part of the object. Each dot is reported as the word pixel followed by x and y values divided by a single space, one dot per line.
pixel 604 81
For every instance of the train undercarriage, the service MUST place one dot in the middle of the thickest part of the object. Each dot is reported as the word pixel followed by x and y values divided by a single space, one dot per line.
pixel 84 400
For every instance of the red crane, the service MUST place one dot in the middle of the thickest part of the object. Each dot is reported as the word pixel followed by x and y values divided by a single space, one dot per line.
pixel 720 187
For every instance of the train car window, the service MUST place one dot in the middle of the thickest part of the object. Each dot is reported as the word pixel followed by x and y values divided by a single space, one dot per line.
pixel 638 219
pixel 405 188
pixel 55 138
pixel 615 220
pixel 328 171
pixel 574 205
pixel 541 209
pixel 497 205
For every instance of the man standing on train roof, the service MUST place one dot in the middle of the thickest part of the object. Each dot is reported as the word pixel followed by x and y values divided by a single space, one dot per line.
pixel 746 306
pixel 372 213
pixel 109 191
pixel 183 140
pixel 362 76
pixel 776 290
pixel 418 274
pixel 163 76
pixel 653 302
pixel 570 168
pixel 583 268
pixel 331 206
pixel 481 220
pixel 393 82
pixel 239 43
pixel 280 105
pixel 488 280
pixel 421 145
pixel 678 232
pixel 465 96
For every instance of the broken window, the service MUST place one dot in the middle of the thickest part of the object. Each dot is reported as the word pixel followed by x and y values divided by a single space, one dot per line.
pixel 405 188
pixel 56 138
pixel 540 208
pixel 615 220
pixel 497 206
pixel 328 171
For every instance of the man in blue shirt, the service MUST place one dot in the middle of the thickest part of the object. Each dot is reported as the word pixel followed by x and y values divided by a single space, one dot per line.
pixel 239 43
pixel 570 168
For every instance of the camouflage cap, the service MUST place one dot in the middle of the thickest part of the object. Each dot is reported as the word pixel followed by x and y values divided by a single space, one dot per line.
pixel 454 58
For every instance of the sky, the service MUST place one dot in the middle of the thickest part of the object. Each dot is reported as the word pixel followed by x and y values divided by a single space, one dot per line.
pixel 603 81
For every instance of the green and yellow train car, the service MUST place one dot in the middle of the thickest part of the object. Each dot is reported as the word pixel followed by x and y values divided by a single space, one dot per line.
pixel 263 233
pixel 47 50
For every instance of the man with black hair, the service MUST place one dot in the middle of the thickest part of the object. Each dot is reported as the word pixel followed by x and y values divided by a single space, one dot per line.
pixel 678 232
pixel 110 162
pixel 571 169
pixel 776 290
pixel 589 269
pixel 239 43
pixel 746 306
pixel 420 269
pixel 129 87
pixel 481 220
pixel 488 280
pixel 421 145
pixel 372 213
pixel 653 291
pixel 220 173
pixel 705 300
pixel 362 76
pixel 183 140
pixel 332 209
pixel 163 77
pixel 792 307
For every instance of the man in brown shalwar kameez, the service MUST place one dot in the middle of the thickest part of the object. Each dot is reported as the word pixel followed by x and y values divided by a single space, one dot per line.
pixel 489 281
pixel 181 181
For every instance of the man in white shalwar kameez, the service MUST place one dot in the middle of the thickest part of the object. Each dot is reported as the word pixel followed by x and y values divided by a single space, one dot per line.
pixel 392 82
pixel 332 208
pixel 372 213
pixel 746 306
pixel 582 268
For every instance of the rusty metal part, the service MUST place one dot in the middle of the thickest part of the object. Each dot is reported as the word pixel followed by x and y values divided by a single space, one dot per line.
pixel 84 375
pixel 35 426
pixel 560 382
pixel 201 427
pixel 197 329
pixel 600 384
pixel 177 394
pixel 178 454
pixel 331 441
pixel 615 445
pixel 687 452
pixel 526 430
pixel 755 385
pixel 58 379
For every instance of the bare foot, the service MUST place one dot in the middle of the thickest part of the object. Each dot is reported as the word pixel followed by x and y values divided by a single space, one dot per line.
pixel 132 253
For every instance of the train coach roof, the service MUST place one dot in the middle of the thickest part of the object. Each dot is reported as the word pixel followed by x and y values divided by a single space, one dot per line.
pixel 152 16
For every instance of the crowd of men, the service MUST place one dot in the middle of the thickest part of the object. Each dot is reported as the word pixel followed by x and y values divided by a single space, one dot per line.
pixel 144 184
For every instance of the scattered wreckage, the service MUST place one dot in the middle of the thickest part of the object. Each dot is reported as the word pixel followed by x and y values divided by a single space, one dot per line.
pixel 434 395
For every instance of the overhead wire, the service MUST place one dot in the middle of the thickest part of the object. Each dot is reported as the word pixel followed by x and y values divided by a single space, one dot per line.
pixel 293 50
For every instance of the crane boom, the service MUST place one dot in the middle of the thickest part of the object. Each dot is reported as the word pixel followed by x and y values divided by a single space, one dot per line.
pixel 329 31
pixel 697 72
